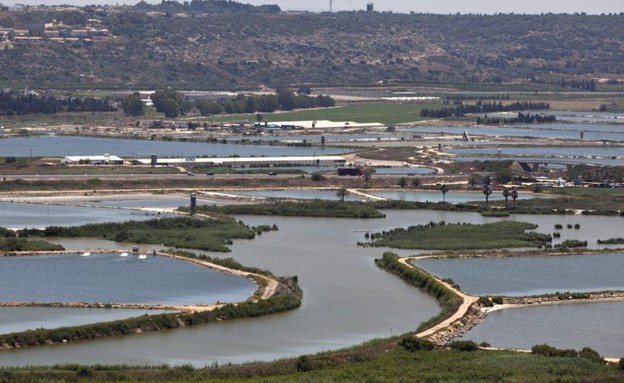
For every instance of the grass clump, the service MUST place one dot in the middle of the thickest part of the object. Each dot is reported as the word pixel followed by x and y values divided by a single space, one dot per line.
pixel 442 236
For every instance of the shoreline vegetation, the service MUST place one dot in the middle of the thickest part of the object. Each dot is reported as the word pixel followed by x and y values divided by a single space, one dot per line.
pixel 273 295
pixel 181 232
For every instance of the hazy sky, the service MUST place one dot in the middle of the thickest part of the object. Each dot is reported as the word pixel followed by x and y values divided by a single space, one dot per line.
pixel 449 6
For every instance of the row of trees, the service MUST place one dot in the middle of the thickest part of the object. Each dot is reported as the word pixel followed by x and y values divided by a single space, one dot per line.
pixel 19 103
pixel 522 118
pixel 479 107
pixel 174 104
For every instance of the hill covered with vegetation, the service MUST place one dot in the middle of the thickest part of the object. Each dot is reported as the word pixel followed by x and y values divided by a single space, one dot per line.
pixel 226 45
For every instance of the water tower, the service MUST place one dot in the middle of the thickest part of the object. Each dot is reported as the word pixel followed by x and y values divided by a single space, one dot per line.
pixel 370 7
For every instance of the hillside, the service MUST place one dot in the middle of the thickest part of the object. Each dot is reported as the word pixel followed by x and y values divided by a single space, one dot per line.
pixel 203 46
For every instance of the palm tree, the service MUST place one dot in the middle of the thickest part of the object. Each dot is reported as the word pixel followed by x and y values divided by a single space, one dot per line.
pixel 487 190
pixel 506 194
pixel 367 174
pixel 444 189
pixel 514 196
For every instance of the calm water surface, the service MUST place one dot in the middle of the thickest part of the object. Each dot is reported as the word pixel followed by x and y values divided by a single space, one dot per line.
pixel 347 300
pixel 60 146
pixel 74 278
pixel 14 319
pixel 531 275
pixel 22 215
pixel 451 196
pixel 596 325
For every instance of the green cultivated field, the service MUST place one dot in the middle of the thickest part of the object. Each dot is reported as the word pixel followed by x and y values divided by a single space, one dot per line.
pixel 384 113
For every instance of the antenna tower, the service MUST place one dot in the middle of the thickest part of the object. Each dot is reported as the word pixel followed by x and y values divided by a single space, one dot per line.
pixel 331 5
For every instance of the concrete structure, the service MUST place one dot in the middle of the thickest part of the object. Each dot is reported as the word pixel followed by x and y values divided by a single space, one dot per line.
pixel 251 161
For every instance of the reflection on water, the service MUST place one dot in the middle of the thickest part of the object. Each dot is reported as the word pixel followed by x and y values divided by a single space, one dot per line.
pixel 596 325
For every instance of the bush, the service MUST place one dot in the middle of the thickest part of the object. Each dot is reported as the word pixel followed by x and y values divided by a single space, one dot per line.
pixel 316 176
pixel 591 354
pixel 546 350
pixel 304 364
pixel 464 345
pixel 621 364
pixel 558 226
pixel 497 300
pixel 412 343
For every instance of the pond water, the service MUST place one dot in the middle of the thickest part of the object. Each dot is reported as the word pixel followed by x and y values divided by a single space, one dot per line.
pixel 60 146
pixel 548 131
pixel 597 325
pixel 296 194
pixel 571 152
pixel 531 275
pixel 24 215
pixel 76 278
pixel 451 196
pixel 347 299
pixel 14 319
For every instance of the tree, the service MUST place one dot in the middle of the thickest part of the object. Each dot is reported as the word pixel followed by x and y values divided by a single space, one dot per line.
pixel 514 196
pixel 415 183
pixel 487 190
pixel 341 193
pixel 444 189
pixel 285 98
pixel 169 102
pixel 133 105
pixel 367 174
pixel 506 195
pixel 403 182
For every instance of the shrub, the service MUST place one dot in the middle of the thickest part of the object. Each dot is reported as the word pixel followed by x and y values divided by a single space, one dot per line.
pixel 558 226
pixel 464 345
pixel 485 302
pixel 621 364
pixel 412 343
pixel 546 350
pixel 497 300
pixel 304 364
pixel 316 176
pixel 591 354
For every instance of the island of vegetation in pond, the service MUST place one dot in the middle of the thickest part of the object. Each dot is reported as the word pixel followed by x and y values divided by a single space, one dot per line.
pixel 182 232
pixel 313 208
pixel 442 236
